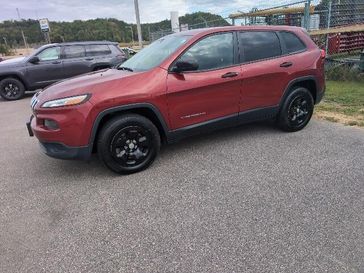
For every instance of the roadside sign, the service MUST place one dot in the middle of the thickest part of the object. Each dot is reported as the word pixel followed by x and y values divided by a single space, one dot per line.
pixel 44 25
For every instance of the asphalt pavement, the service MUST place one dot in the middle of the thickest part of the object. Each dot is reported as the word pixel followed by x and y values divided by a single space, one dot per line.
pixel 247 199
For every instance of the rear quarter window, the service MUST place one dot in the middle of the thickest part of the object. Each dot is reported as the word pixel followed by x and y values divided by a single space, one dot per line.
pixel 259 45
pixel 292 42
pixel 97 50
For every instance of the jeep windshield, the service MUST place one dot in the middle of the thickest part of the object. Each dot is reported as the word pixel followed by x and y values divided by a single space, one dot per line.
pixel 154 54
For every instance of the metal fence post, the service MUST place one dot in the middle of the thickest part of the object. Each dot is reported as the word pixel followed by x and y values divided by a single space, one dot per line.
pixel 306 20
pixel 328 26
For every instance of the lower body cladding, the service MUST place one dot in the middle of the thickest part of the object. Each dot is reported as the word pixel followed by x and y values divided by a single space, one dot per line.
pixel 62 151
pixel 319 96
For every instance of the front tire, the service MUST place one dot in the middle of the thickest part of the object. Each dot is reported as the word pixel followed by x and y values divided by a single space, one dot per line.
pixel 296 110
pixel 11 89
pixel 128 143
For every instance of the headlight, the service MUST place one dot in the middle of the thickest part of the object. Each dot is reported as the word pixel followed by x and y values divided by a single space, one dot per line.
pixel 66 101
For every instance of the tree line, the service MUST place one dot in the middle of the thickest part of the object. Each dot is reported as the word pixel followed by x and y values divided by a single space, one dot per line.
pixel 97 29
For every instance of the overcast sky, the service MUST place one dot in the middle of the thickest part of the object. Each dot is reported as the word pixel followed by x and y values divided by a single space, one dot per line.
pixel 150 10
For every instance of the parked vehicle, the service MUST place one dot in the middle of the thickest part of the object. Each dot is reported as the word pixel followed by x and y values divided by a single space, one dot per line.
pixel 182 84
pixel 55 62
pixel 129 52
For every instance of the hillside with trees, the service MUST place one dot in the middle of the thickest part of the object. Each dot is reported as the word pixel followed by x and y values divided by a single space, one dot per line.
pixel 96 29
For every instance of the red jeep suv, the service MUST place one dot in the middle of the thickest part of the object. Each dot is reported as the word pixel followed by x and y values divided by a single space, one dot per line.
pixel 181 84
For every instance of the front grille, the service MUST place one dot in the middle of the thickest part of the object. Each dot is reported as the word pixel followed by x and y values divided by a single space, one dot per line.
pixel 34 101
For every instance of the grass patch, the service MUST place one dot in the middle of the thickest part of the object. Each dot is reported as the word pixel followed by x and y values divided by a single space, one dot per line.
pixel 343 102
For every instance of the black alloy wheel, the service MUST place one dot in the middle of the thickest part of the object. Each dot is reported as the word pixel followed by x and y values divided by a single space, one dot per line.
pixel 296 111
pixel 11 89
pixel 128 143
pixel 131 146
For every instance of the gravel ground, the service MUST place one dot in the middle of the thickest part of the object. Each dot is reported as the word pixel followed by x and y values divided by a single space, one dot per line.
pixel 249 199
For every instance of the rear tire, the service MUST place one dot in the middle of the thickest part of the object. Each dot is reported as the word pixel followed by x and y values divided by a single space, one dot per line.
pixel 128 143
pixel 296 110
pixel 11 89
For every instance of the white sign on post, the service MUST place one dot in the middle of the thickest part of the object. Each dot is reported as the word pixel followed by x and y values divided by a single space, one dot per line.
pixel 44 25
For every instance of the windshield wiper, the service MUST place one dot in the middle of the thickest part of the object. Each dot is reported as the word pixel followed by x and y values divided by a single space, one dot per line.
pixel 125 68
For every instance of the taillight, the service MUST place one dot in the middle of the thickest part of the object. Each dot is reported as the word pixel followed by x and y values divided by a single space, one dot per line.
pixel 323 54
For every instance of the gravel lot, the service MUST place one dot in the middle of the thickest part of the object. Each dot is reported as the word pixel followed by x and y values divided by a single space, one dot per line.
pixel 249 199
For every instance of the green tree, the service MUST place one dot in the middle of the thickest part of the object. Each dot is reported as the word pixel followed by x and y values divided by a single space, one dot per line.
pixel 97 29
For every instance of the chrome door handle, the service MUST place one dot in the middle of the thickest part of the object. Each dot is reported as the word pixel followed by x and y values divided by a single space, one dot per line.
pixel 230 75
pixel 286 64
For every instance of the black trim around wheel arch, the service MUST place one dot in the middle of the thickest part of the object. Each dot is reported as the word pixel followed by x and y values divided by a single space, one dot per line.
pixel 297 80
pixel 133 106
pixel 320 95
pixel 18 76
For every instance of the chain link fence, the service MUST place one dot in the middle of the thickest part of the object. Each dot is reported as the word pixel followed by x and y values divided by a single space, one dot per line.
pixel 341 28
pixel 335 25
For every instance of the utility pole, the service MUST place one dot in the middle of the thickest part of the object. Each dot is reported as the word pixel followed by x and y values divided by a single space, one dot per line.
pixel 307 15
pixel 136 5
pixel 328 26
pixel 22 33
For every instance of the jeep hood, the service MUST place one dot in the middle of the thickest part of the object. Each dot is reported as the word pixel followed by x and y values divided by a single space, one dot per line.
pixel 20 61
pixel 85 84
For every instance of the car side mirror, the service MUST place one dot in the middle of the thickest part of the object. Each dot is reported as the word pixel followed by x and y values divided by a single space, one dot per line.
pixel 34 60
pixel 182 66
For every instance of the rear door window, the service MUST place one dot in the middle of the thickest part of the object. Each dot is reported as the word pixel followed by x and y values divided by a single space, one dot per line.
pixel 259 45
pixel 76 51
pixel 292 42
pixel 97 50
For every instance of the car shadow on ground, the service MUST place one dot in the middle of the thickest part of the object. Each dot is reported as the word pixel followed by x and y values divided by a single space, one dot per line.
pixel 215 139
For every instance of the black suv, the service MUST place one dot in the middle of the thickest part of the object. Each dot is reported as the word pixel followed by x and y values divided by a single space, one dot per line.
pixel 54 62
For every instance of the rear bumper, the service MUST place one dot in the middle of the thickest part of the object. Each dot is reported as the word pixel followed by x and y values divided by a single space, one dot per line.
pixel 61 151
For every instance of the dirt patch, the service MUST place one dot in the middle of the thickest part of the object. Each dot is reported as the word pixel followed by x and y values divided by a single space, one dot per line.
pixel 20 52
pixel 356 120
